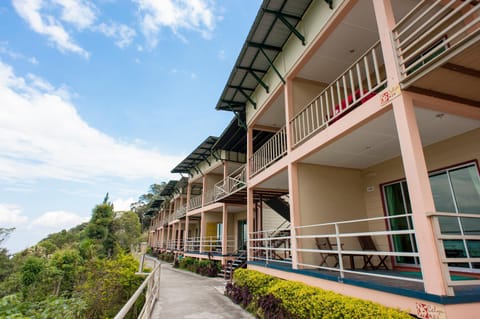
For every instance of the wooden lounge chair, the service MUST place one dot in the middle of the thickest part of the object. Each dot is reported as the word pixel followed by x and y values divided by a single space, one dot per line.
pixel 367 244
pixel 323 243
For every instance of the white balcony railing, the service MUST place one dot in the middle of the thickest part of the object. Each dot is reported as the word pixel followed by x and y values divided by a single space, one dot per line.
pixel 210 244
pixel 274 149
pixel 355 86
pixel 180 212
pixel 432 32
pixel 234 182
pixel 209 196
pixel 195 202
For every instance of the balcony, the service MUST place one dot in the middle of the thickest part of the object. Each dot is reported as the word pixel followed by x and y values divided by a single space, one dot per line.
pixel 339 250
pixel 270 152
pixel 360 82
pixel 211 244
pixel 195 202
pixel 180 212
pixel 437 47
pixel 232 184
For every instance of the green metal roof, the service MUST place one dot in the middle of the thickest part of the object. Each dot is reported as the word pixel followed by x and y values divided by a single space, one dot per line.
pixel 200 154
pixel 276 20
pixel 169 188
pixel 234 138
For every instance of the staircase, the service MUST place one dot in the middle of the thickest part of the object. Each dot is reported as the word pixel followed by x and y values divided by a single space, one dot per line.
pixel 279 205
pixel 239 262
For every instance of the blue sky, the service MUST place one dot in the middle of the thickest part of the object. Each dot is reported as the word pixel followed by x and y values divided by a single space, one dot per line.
pixel 105 96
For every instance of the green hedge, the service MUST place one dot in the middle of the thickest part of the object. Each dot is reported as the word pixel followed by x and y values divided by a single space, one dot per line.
pixel 270 297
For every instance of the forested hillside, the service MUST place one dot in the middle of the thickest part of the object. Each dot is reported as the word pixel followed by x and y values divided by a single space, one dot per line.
pixel 85 272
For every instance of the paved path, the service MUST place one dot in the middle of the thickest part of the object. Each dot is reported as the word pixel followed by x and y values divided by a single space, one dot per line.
pixel 191 296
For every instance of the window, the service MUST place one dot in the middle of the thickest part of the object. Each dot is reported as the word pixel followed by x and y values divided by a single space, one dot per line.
pixel 455 190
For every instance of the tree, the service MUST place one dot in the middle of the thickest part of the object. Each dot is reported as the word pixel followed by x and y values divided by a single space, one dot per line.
pixel 127 229
pixel 100 228
pixel 5 263
pixel 142 206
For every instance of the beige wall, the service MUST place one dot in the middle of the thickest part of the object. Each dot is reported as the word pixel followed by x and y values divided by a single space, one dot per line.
pixel 304 92
pixel 456 150
pixel 328 194
pixel 232 227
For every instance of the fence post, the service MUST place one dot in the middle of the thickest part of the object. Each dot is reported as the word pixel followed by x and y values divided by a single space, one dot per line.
pixel 339 250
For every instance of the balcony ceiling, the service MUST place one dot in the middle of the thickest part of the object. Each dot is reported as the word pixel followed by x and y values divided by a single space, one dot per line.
pixel 350 39
pixel 377 141
pixel 458 79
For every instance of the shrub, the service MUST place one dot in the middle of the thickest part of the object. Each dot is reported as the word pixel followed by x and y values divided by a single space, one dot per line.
pixel 270 297
pixel 202 267
pixel 167 257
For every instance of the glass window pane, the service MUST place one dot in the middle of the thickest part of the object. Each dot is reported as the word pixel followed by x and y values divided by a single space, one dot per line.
pixel 466 186
pixel 473 248
pixel 455 249
pixel 442 194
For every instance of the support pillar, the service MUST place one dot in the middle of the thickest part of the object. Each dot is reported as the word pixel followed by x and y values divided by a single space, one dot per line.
pixel 421 197
pixel 294 212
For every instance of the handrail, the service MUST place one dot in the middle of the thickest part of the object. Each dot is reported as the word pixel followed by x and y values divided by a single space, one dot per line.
pixel 433 32
pixel 234 182
pixel 152 283
pixel 274 149
pixel 360 82
pixel 305 234
pixel 195 202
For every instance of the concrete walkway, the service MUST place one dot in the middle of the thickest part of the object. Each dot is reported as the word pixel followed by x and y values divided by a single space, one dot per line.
pixel 191 296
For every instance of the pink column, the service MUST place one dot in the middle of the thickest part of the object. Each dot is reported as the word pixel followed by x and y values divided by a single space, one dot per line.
pixel 385 24
pixel 185 234
pixel 420 195
pixel 225 230
pixel 203 230
pixel 289 112
pixel 294 211
pixel 250 213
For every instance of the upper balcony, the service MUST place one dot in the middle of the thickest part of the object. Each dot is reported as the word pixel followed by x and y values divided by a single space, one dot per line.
pixel 437 46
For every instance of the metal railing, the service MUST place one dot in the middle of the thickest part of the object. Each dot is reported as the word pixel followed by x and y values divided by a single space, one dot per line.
pixel 209 244
pixel 209 196
pixel 151 285
pixel 274 149
pixel 432 32
pixel 195 202
pixel 271 245
pixel 467 255
pixel 343 242
pixel 355 86
pixel 180 212
pixel 234 182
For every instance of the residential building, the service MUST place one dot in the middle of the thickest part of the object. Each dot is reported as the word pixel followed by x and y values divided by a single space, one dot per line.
pixel 362 121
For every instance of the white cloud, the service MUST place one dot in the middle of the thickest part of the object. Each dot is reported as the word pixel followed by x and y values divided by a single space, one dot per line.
pixel 80 13
pixel 4 49
pixel 11 216
pixel 58 220
pixel 122 34
pixel 120 204
pixel 48 25
pixel 43 136
pixel 194 15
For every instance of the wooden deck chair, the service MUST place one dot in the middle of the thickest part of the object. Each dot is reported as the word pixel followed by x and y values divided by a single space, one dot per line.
pixel 367 244
pixel 323 243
